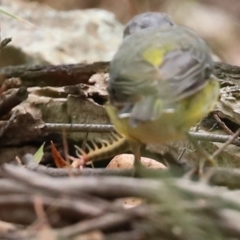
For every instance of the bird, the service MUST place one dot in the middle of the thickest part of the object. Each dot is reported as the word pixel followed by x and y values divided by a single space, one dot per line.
pixel 161 82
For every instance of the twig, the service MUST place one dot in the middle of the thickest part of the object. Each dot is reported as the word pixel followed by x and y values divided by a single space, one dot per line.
pixel 228 177
pixel 42 219
pixel 9 102
pixel 5 42
pixel 187 144
pixel 133 235
pixel 105 222
pixel 57 75
pixel 110 187
pixel 66 209
pixel 58 127
pixel 213 138
pixel 56 173
pixel 222 124
pixel 202 153
pixel 7 123
pixel 228 142
pixel 209 204
pixel 43 184
pixel 106 187
pixel 8 187
pixel 221 70
pixel 107 128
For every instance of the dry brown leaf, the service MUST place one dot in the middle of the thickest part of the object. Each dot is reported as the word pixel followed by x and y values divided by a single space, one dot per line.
pixel 58 160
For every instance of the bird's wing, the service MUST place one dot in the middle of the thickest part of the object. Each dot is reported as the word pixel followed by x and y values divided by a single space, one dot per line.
pixel 183 72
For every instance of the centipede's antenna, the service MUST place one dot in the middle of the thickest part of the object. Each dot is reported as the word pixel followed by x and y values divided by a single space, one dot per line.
pixel 101 149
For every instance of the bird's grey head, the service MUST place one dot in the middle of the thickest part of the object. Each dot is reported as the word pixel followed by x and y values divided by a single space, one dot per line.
pixel 147 20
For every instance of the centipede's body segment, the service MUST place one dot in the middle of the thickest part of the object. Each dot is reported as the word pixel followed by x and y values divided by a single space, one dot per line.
pixel 102 149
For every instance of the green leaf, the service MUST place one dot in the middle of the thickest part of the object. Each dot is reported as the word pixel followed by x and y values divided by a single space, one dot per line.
pixel 39 154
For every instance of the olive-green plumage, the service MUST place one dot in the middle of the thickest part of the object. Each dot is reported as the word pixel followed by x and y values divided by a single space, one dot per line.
pixel 160 84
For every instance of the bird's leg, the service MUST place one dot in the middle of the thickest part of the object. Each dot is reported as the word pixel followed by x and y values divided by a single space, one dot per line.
pixel 201 151
pixel 136 150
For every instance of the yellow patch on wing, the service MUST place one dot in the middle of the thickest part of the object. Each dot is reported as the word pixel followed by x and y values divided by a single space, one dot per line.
pixel 155 56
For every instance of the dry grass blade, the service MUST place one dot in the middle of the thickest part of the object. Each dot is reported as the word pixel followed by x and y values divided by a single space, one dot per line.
pixel 7 13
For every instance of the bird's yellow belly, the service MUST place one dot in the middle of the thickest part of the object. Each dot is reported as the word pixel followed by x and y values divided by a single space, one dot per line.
pixel 170 125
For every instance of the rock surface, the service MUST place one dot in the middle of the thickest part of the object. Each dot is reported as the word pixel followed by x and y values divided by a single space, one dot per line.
pixel 57 37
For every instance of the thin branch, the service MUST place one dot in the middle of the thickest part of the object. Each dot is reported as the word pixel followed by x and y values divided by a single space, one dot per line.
pixel 222 124
pixel 66 209
pixel 98 186
pixel 228 142
pixel 57 75
pixel 5 42
pixel 107 128
pixel 100 223
pixel 6 124
pixel 9 102
pixel 58 127
pixel 214 138
pixel 59 172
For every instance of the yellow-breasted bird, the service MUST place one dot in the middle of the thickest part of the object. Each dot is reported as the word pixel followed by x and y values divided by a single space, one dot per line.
pixel 160 82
